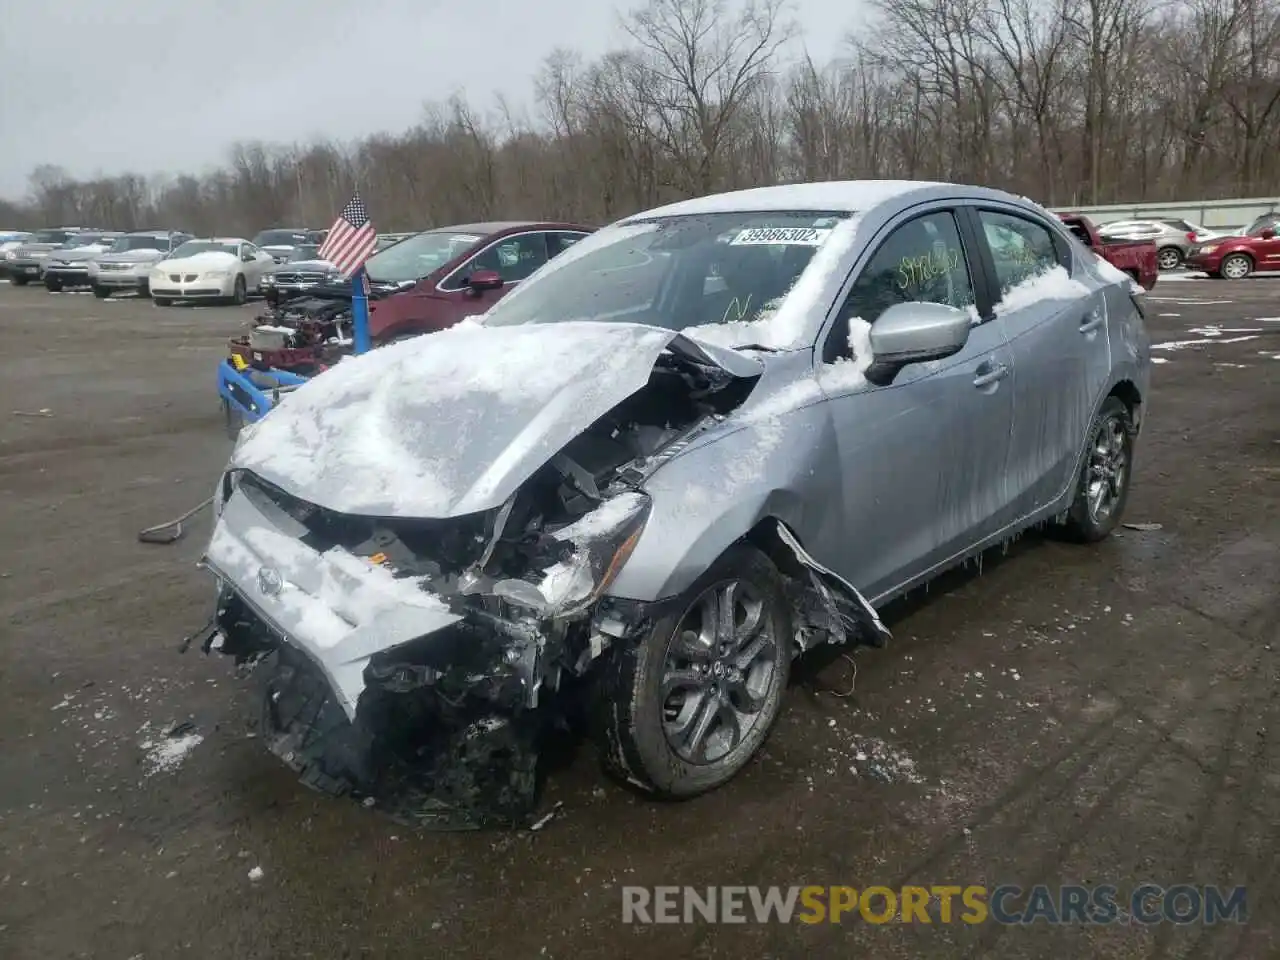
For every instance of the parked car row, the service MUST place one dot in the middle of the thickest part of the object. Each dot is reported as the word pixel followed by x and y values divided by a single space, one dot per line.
pixel 419 284
pixel 167 265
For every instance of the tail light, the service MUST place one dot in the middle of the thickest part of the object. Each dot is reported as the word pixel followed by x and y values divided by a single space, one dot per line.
pixel 1191 237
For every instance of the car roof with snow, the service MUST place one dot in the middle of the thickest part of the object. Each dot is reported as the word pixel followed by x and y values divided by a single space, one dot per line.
pixel 846 196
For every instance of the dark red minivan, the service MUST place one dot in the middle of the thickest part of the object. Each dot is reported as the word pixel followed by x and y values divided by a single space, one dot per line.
pixel 424 283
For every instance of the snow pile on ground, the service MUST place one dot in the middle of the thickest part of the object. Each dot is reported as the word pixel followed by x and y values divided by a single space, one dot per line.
pixel 167 754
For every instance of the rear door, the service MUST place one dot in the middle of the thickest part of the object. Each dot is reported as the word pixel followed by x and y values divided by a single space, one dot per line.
pixel 1056 323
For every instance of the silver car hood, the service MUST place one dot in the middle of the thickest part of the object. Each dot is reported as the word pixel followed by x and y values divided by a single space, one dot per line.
pixel 451 424
pixel 77 255
pixel 141 255
pixel 29 248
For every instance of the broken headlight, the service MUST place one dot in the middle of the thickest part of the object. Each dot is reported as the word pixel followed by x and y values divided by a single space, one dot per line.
pixel 601 542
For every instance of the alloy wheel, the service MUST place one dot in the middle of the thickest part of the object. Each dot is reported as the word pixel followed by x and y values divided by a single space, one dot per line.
pixel 720 669
pixel 1108 469
pixel 1169 258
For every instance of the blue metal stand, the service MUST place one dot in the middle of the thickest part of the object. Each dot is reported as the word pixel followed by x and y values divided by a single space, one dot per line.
pixel 248 395
pixel 360 313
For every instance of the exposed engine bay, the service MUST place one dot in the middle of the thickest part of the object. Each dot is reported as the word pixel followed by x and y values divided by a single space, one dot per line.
pixel 446 729
pixel 318 328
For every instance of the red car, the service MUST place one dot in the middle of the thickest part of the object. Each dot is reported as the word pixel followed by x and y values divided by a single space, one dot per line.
pixel 1257 249
pixel 424 283
pixel 1138 258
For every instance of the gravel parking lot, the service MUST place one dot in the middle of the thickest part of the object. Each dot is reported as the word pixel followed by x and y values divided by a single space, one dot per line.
pixel 1068 715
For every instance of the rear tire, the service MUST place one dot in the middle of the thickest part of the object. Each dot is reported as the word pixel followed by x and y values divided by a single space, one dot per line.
pixel 240 294
pixel 1102 487
pixel 19 280
pixel 1236 266
pixel 1169 258
pixel 667 711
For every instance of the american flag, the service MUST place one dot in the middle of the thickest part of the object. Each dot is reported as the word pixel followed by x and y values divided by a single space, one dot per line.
pixel 351 239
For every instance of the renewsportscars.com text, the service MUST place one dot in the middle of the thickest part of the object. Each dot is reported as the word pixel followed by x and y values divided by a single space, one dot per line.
pixel 1146 903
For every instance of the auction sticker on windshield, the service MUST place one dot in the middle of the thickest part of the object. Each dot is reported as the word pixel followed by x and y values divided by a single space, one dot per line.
pixel 796 236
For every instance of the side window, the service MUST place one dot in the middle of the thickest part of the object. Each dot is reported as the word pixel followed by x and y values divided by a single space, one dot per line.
pixel 1020 248
pixel 921 261
pixel 558 243
pixel 514 258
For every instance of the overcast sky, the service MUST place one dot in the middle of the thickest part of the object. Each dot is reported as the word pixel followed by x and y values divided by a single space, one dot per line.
pixel 100 86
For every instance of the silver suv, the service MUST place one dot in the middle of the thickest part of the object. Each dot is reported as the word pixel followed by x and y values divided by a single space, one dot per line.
pixel 126 266
pixel 1173 238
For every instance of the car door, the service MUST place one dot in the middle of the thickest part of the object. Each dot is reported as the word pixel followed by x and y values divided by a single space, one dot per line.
pixel 1056 324
pixel 513 257
pixel 922 458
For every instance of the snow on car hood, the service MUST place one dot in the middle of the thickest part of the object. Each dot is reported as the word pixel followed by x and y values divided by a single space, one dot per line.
pixel 453 423
pixel 138 255
pixel 211 260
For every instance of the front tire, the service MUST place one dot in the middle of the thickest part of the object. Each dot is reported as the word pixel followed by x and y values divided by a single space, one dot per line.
pixel 19 280
pixel 1169 258
pixel 101 292
pixel 53 284
pixel 239 293
pixel 1102 489
pixel 162 301
pixel 1237 266
pixel 680 711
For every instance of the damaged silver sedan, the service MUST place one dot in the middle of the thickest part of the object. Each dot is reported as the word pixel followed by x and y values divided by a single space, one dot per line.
pixel 698 444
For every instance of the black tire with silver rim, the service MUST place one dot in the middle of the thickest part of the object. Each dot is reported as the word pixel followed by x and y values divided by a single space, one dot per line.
pixel 1236 266
pixel 680 711
pixel 240 293
pixel 1170 258
pixel 1103 487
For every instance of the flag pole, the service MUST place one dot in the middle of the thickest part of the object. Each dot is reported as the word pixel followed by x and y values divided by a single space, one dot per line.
pixel 359 312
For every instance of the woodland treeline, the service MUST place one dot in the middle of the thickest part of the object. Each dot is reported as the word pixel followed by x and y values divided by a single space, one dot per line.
pixel 1070 102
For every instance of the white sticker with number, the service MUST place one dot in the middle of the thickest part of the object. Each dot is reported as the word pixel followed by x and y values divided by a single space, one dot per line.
pixel 794 236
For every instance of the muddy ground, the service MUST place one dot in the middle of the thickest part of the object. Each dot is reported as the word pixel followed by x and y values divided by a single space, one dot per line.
pixel 1072 714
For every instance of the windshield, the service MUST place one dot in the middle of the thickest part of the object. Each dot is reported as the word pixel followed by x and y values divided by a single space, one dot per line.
pixel 308 252
pixel 139 242
pixel 82 240
pixel 50 236
pixel 677 273
pixel 280 238
pixel 418 256
pixel 192 247
pixel 1265 222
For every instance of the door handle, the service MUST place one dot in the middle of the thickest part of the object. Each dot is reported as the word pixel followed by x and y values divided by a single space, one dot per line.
pixel 1092 322
pixel 993 375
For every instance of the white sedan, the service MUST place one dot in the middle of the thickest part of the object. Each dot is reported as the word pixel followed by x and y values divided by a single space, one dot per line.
pixel 220 268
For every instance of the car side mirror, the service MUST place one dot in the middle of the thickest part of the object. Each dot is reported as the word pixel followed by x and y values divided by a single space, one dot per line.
pixel 915 332
pixel 1267 234
pixel 483 280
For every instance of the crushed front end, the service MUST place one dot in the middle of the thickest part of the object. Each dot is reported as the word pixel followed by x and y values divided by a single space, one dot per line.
pixel 420 662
